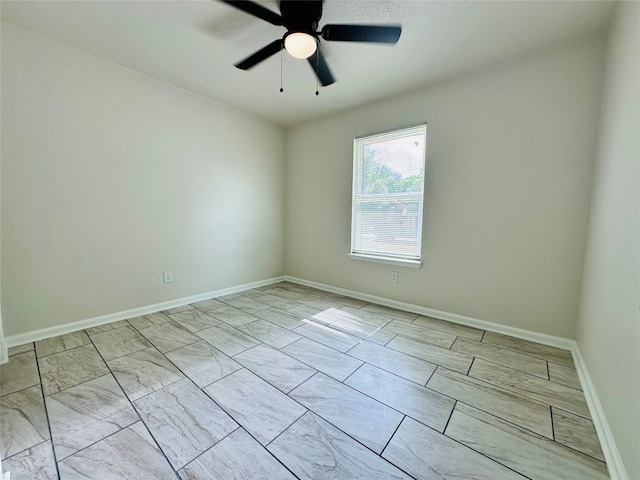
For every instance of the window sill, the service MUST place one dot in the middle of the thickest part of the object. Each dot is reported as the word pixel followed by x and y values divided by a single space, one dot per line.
pixel 386 260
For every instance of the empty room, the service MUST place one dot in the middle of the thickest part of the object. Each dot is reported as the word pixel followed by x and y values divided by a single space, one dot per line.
pixel 339 239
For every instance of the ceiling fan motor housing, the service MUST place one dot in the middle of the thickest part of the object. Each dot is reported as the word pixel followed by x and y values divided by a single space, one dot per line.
pixel 301 15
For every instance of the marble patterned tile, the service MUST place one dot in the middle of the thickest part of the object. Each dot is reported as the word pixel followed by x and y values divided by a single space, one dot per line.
pixel 130 453
pixel 327 336
pixel 405 366
pixel 321 303
pixel 203 363
pixel 324 359
pixel 61 343
pixel 27 347
pixel 181 308
pixel 228 459
pixel 330 315
pixel 360 329
pixel 71 367
pixel 350 301
pixel 169 336
pixel 226 298
pixel 233 316
pixel 314 449
pixel 228 340
pixel 106 327
pixel 118 342
pixel 422 334
pixel 456 361
pixel 143 372
pixel 390 312
pixel 365 316
pixel 538 350
pixel 208 305
pixel 420 403
pixel 194 320
pixel 268 333
pixel 277 302
pixel 305 290
pixel 532 455
pixel 246 304
pixel 253 293
pixel 261 409
pixel 349 410
pixel 576 432
pixel 37 463
pixel 449 327
pixel 501 356
pixel 23 421
pixel 281 318
pixel 184 421
pixel 87 413
pixel 565 375
pixel 280 370
pixel 150 320
pixel 527 385
pixel 326 316
pixel 284 293
pixel 20 372
pixel 510 406
pixel 427 454
pixel 311 313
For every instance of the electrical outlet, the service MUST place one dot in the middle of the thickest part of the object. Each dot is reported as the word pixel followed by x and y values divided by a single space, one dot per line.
pixel 394 277
pixel 167 276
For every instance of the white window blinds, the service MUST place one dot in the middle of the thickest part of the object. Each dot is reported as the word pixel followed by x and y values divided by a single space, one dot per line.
pixel 388 184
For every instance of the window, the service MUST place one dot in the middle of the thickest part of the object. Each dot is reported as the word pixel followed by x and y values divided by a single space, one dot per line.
pixel 388 185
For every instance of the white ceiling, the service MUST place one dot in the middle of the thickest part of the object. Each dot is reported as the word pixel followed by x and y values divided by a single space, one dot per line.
pixel 194 44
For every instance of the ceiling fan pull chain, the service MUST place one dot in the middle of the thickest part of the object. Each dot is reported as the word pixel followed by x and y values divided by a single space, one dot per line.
pixel 281 89
pixel 317 76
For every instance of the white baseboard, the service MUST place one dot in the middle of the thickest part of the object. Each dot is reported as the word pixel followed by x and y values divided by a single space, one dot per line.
pixel 607 442
pixel 609 448
pixel 41 334
pixel 559 342
pixel 4 355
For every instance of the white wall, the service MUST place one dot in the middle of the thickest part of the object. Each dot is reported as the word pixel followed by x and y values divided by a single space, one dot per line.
pixel 110 177
pixel 609 322
pixel 509 170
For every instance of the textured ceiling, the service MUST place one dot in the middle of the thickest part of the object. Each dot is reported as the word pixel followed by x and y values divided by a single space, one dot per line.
pixel 194 44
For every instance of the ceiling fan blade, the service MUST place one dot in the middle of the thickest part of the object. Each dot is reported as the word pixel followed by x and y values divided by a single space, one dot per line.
pixel 256 10
pixel 321 68
pixel 260 55
pixel 362 33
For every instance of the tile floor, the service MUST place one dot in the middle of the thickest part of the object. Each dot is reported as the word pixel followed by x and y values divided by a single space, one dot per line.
pixel 286 381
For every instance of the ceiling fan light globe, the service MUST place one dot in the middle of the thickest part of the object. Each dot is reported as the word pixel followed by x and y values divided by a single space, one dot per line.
pixel 300 44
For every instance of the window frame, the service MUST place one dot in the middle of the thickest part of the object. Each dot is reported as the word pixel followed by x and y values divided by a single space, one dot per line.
pixel 358 160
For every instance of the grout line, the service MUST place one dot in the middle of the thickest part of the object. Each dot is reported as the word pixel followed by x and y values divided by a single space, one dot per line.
pixel 349 376
pixel 430 377
pixel 553 429
pixel 482 337
pixel 136 410
pixel 449 419
pixel 39 384
pixel 239 427
pixel 29 448
pixel 470 366
pixel 46 412
pixel 548 373
pixel 392 435
pixel 99 440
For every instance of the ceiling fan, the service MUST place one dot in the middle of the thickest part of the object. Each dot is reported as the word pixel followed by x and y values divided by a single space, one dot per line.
pixel 302 40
